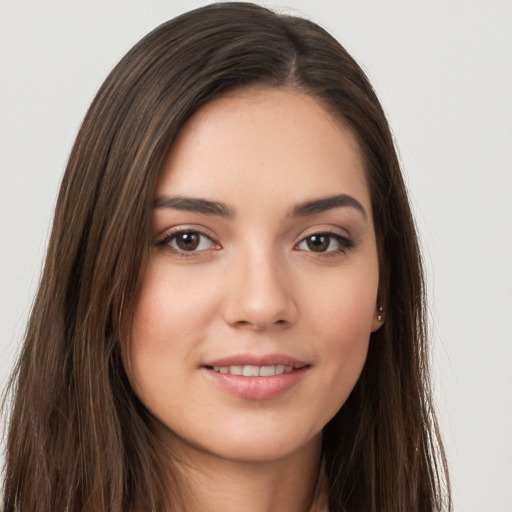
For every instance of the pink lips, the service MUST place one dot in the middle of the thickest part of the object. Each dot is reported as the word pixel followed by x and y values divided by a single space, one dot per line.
pixel 257 388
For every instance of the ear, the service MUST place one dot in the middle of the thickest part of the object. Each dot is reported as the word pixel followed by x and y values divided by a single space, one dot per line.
pixel 378 318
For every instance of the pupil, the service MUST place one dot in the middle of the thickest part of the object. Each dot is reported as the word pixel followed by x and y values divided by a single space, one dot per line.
pixel 318 243
pixel 188 241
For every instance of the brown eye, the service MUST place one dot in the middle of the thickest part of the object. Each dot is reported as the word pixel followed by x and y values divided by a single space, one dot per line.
pixel 318 243
pixel 326 243
pixel 188 241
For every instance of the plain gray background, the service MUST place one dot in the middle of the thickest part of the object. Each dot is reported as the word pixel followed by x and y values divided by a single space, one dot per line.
pixel 443 71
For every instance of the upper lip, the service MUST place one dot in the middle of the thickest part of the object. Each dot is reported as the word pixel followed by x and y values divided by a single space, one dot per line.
pixel 257 360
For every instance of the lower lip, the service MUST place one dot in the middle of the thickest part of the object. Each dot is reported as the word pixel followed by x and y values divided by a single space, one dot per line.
pixel 257 388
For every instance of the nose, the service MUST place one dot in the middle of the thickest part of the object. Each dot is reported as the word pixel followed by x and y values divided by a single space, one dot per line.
pixel 259 294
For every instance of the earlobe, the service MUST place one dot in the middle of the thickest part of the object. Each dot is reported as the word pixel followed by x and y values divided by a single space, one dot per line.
pixel 378 319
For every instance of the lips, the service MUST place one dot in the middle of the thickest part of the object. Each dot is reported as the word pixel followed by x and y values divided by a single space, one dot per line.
pixel 256 377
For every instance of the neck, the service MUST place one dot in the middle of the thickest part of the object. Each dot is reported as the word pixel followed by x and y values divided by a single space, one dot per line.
pixel 288 484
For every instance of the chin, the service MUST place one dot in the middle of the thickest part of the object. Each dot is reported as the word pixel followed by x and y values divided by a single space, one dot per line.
pixel 262 446
pixel 243 442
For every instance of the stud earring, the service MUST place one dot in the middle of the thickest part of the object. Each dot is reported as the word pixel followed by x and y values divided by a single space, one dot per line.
pixel 379 314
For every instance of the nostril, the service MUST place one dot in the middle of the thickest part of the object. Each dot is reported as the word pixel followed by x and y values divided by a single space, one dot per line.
pixel 256 325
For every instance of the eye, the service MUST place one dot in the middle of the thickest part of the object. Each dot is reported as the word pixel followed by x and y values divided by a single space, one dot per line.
pixel 325 243
pixel 187 241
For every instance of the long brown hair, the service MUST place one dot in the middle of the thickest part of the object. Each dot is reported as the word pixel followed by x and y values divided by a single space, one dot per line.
pixel 79 438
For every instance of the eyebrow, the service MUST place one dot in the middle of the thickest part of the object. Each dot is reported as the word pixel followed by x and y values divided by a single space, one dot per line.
pixel 327 203
pixel 205 206
pixel 193 204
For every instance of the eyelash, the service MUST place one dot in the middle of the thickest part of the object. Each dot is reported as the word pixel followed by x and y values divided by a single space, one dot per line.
pixel 165 243
pixel 344 244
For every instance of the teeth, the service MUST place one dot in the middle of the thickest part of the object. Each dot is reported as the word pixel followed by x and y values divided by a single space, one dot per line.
pixel 254 371
pixel 267 371
pixel 236 370
pixel 251 371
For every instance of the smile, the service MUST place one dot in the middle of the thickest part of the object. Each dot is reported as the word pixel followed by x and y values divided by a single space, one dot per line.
pixel 253 371
pixel 276 375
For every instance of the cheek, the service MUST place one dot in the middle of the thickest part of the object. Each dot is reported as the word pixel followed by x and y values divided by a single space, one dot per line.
pixel 346 301
pixel 342 360
pixel 170 320
pixel 343 312
pixel 172 306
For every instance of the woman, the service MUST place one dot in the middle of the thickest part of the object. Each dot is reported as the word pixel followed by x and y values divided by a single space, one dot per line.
pixel 231 314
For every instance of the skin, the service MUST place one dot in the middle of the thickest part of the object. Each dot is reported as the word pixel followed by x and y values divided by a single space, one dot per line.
pixel 257 285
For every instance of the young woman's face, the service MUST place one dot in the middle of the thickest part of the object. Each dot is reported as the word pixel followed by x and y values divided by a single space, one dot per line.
pixel 256 309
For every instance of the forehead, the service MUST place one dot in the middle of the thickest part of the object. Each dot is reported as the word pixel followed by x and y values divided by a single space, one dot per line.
pixel 275 142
